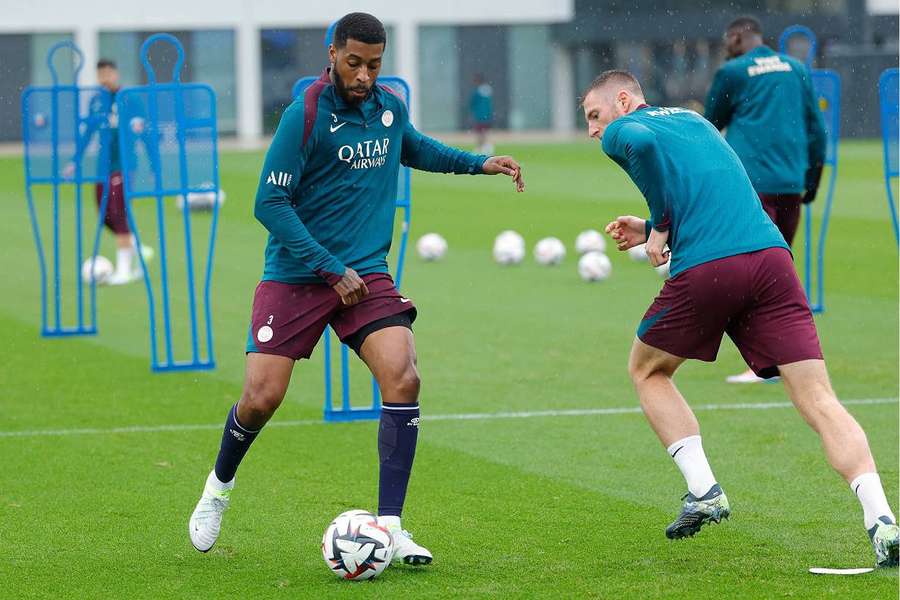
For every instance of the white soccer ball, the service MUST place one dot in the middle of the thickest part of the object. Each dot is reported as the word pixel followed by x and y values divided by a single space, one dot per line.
pixel 638 253
pixel 102 270
pixel 509 248
pixel 137 125
pixel 594 266
pixel 590 240
pixel 663 270
pixel 431 246
pixel 549 251
pixel 202 200
pixel 356 547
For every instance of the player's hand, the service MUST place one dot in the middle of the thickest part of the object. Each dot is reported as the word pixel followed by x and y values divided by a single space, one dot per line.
pixel 68 171
pixel 813 177
pixel 627 232
pixel 505 165
pixel 351 288
pixel 656 247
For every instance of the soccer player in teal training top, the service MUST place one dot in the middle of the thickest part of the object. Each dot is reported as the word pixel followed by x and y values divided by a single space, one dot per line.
pixel 731 273
pixel 327 195
pixel 767 103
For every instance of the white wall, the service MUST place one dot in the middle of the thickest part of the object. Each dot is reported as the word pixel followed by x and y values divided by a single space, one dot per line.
pixel 882 7
pixel 86 18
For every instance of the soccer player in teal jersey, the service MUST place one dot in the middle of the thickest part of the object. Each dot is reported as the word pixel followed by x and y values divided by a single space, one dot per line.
pixel 104 112
pixel 327 196
pixel 767 103
pixel 731 273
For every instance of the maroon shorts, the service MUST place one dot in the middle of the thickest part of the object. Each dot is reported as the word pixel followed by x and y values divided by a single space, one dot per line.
pixel 784 210
pixel 288 319
pixel 115 217
pixel 755 298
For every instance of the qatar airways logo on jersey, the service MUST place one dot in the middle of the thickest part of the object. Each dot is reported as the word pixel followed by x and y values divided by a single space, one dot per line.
pixel 365 155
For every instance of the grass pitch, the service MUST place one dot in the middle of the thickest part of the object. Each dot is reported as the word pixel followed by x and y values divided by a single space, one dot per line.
pixel 103 461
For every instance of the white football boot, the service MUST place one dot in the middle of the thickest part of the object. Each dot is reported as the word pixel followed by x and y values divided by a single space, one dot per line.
pixel 749 376
pixel 405 549
pixel 206 522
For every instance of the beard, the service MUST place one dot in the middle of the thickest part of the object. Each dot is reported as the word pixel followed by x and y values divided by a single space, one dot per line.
pixel 345 91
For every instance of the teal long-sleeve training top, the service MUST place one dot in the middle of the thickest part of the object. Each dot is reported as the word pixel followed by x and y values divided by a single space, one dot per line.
pixel 694 183
pixel 328 187
pixel 768 104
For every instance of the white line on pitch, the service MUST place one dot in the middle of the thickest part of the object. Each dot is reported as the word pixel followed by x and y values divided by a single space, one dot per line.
pixel 575 412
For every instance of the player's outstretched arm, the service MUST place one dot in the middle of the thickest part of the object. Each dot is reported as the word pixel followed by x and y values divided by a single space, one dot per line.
pixel 428 154
pixel 505 165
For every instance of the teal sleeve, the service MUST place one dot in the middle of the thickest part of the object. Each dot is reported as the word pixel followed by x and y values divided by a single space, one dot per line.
pixel 815 124
pixel 427 154
pixel 277 184
pixel 635 148
pixel 718 108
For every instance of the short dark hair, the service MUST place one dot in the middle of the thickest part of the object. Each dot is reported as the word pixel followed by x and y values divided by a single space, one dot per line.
pixel 361 27
pixel 104 63
pixel 745 23
pixel 616 76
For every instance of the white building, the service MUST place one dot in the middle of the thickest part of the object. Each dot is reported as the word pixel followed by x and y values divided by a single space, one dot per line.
pixel 252 51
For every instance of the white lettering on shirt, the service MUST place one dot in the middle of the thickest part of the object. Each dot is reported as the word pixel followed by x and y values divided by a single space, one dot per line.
pixel 366 154
pixel 768 64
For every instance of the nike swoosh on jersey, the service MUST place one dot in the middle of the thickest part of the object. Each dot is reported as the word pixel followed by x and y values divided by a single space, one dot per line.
pixel 334 128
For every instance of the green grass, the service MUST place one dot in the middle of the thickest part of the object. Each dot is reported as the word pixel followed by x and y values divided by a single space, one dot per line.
pixel 557 507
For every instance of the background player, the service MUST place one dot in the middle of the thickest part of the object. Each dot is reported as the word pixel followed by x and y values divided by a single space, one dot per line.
pixel 104 113
pixel 767 103
pixel 481 108
pixel 732 273
pixel 327 196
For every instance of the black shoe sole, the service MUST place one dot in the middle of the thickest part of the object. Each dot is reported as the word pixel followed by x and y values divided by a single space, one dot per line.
pixel 692 530
pixel 417 560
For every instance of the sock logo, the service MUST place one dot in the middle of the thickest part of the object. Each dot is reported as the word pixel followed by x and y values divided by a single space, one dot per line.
pixel 237 434
pixel 414 422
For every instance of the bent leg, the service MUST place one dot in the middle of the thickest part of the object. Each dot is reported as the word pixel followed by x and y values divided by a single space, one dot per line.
pixel 266 380
pixel 265 383
pixel 844 441
pixel 391 356
pixel 651 372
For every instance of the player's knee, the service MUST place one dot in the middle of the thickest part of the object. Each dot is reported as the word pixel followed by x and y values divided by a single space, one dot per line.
pixel 405 386
pixel 261 400
pixel 641 369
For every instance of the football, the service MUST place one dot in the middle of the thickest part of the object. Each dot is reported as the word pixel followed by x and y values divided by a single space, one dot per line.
pixel 102 270
pixel 549 251
pixel 201 200
pixel 509 248
pixel 594 266
pixel 638 253
pixel 356 547
pixel 431 246
pixel 663 269
pixel 590 240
